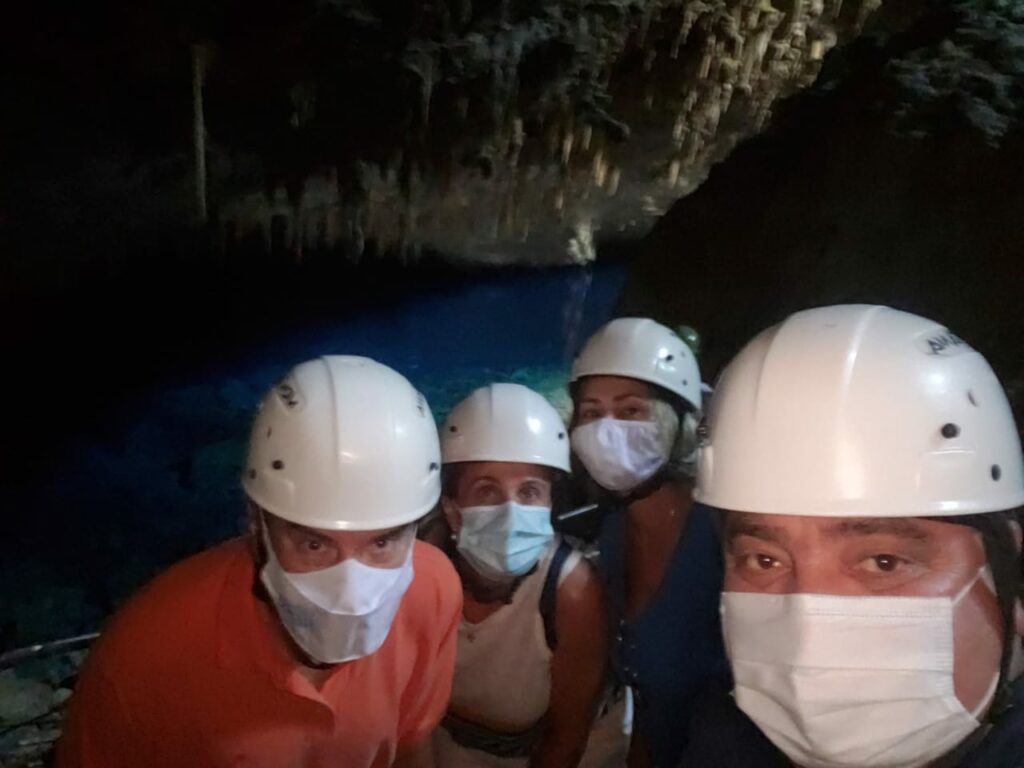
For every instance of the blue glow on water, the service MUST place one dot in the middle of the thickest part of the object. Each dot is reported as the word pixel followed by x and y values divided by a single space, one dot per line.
pixel 163 482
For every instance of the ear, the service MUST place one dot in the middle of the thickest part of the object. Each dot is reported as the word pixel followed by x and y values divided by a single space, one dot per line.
pixel 452 513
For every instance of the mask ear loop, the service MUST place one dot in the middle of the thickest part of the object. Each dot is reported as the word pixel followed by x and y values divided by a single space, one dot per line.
pixel 1005 562
pixel 1005 565
pixel 984 575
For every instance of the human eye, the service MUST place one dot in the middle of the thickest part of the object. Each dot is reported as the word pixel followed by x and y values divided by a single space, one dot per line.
pixel 529 492
pixel 487 493
pixel 758 562
pixel 387 540
pixel 312 544
pixel 634 410
pixel 315 550
pixel 888 562
pixel 588 414
pixel 883 563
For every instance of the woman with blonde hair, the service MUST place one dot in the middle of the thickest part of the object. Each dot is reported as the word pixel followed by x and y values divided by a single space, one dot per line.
pixel 531 644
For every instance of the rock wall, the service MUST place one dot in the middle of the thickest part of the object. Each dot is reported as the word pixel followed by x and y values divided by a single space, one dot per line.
pixel 532 135
pixel 896 179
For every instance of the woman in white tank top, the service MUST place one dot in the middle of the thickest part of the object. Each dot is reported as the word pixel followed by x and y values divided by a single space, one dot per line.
pixel 530 666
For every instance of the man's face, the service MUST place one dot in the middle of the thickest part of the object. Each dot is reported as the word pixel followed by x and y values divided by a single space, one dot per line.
pixel 781 554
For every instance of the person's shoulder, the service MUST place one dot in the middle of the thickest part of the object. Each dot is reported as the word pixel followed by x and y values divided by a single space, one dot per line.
pixel 189 581
pixel 1003 745
pixel 435 583
pixel 179 603
pixel 720 734
pixel 580 589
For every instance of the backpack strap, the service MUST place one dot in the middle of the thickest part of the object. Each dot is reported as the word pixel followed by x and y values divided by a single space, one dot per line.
pixel 549 592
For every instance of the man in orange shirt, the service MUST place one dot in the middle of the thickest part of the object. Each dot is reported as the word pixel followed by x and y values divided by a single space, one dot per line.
pixel 326 638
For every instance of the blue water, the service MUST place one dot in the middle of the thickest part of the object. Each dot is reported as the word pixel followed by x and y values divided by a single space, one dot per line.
pixel 162 481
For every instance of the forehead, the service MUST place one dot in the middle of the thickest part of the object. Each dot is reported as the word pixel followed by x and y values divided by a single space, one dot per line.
pixel 611 387
pixel 803 528
pixel 502 471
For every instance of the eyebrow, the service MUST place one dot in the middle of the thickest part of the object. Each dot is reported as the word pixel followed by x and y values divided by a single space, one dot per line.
pixel 496 481
pixel 744 526
pixel 305 529
pixel 904 528
pixel 615 399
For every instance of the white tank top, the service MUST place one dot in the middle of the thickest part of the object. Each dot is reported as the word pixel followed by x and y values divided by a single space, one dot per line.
pixel 503 663
pixel 504 674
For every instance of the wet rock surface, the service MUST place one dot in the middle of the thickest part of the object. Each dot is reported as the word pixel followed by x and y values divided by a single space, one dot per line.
pixel 32 698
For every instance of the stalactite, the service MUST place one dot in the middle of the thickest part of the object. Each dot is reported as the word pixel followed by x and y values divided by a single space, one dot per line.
pixel 549 149
pixel 673 172
pixel 613 182
pixel 567 142
pixel 599 169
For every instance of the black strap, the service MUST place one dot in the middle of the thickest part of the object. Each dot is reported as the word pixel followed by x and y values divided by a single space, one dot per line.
pixel 471 735
pixel 549 592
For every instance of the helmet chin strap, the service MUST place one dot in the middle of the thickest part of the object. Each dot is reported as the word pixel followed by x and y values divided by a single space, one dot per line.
pixel 647 488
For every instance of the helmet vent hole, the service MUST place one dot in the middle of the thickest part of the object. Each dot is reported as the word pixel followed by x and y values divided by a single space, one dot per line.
pixel 561 435
pixel 949 431
pixel 685 382
pixel 669 358
pixel 997 472
pixel 277 464
pixel 433 467
pixel 970 398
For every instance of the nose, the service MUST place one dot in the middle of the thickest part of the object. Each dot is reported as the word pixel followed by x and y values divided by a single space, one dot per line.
pixel 348 546
pixel 818 574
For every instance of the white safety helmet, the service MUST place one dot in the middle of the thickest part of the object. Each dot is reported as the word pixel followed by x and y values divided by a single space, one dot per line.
pixel 344 443
pixel 860 411
pixel 505 422
pixel 639 348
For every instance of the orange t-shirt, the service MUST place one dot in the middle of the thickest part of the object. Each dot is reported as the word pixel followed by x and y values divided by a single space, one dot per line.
pixel 190 674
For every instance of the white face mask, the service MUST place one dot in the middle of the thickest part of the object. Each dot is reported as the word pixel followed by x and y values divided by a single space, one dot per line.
pixel 339 613
pixel 619 455
pixel 504 540
pixel 849 682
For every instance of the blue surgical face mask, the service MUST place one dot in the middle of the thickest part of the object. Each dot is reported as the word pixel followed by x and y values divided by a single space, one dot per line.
pixel 504 540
